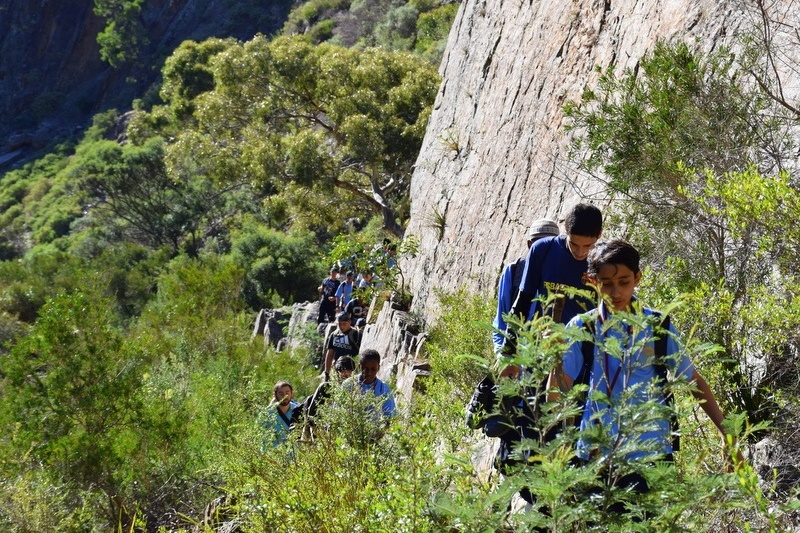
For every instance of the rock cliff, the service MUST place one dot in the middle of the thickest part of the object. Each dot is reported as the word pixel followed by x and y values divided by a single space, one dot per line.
pixel 495 153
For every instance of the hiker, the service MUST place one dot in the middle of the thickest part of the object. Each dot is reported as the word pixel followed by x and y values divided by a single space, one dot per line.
pixel 307 412
pixel 344 290
pixel 368 381
pixel 346 340
pixel 511 278
pixel 278 418
pixel 613 267
pixel 327 297
pixel 511 420
pixel 357 309
pixel 552 264
pixel 365 280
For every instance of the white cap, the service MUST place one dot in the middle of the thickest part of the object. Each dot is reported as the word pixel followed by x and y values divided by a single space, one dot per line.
pixel 544 227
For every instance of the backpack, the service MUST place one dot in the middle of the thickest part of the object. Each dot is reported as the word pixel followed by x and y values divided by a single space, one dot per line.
pixel 660 364
pixel 354 336
pixel 518 269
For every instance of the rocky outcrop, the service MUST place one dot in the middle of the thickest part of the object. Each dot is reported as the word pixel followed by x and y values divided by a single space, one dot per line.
pixel 495 153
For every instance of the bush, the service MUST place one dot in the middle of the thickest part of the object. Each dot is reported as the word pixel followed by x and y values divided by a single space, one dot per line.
pixel 286 265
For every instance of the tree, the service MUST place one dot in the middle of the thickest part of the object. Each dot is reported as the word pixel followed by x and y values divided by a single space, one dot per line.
pixel 137 197
pixel 286 265
pixel 69 395
pixel 344 122
pixel 660 138
pixel 124 36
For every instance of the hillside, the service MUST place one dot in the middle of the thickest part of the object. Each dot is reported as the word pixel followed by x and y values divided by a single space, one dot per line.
pixel 52 77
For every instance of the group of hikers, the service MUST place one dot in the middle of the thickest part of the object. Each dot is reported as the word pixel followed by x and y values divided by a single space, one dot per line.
pixel 340 299
pixel 555 264
pixel 634 373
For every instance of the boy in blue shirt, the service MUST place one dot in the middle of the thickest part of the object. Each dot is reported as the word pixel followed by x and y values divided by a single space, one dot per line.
pixel 628 376
pixel 278 418
pixel 369 382
pixel 552 264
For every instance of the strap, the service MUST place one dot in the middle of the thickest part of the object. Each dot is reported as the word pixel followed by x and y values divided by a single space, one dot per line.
pixel 660 364
pixel 354 342
pixel 284 417
pixel 587 350
pixel 517 269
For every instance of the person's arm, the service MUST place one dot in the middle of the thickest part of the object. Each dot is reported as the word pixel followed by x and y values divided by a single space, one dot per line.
pixel 557 383
pixel 338 295
pixel 562 377
pixel 328 361
pixel 705 397
pixel 504 302
pixel 707 401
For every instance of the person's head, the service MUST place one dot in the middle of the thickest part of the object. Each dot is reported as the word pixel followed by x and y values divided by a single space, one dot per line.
pixel 614 267
pixel 368 276
pixel 584 225
pixel 334 272
pixel 344 322
pixel 349 276
pixel 283 392
pixel 370 363
pixel 344 367
pixel 541 228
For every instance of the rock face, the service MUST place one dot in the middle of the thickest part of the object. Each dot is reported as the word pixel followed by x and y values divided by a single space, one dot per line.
pixel 52 78
pixel 494 156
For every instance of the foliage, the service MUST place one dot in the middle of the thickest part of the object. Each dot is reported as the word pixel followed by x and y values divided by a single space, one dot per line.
pixel 132 186
pixel 358 252
pixel 287 265
pixel 187 74
pixel 68 393
pixel 661 137
pixel 348 124
pixel 34 205
pixel 433 27
pixel 124 35
pixel 419 26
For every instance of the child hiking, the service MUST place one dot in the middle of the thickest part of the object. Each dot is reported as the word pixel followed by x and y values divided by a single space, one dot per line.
pixel 623 370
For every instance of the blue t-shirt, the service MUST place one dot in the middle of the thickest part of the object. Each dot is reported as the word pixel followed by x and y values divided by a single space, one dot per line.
pixel 275 423
pixel 548 268
pixel 634 371
pixel 377 388
pixel 343 292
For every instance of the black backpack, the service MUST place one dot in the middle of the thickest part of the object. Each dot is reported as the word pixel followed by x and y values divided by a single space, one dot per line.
pixel 660 364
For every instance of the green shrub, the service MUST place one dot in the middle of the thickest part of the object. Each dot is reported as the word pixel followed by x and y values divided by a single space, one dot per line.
pixel 286 265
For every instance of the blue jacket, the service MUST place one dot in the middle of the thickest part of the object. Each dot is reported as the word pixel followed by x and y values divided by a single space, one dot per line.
pixel 505 299
pixel 548 268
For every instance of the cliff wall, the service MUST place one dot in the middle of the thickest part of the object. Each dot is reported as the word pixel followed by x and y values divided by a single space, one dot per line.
pixel 495 153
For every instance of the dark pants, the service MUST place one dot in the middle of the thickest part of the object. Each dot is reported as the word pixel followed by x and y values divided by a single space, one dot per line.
pixel 635 482
pixel 327 311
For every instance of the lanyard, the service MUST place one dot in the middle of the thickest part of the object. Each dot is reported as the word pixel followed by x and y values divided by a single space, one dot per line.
pixel 611 382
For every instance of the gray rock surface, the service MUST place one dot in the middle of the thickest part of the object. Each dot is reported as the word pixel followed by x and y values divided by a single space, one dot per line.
pixel 495 153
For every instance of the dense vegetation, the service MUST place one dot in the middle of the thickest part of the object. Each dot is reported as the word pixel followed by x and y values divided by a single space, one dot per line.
pixel 130 272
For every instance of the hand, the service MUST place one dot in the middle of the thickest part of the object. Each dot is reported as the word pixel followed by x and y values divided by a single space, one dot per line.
pixel 509 348
pixel 510 371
